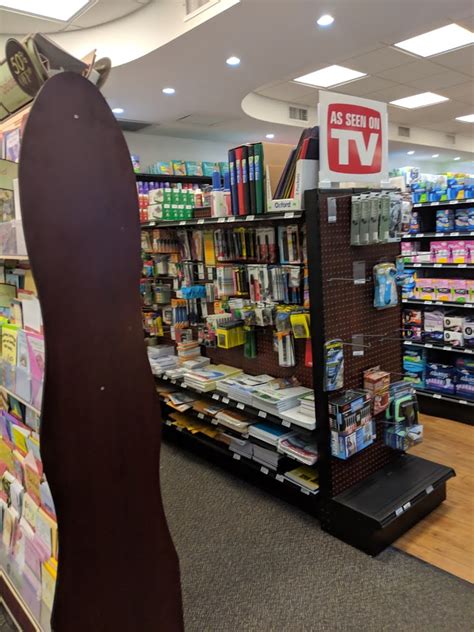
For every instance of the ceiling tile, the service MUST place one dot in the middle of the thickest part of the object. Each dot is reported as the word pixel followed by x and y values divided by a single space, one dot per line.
pixel 463 92
pixel 444 79
pixel 288 91
pixel 461 60
pixel 411 72
pixel 391 94
pixel 378 60
pixel 361 87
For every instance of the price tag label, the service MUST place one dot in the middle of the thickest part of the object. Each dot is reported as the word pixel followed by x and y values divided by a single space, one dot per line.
pixel 286 423
pixel 416 265
pixel 240 406
pixel 214 422
pixel 463 401
pixel 236 456
pixel 399 511
pixel 456 233
pixel 262 413
pixel 420 235
pixel 462 265
pixel 221 220
pixel 200 416
pixel 434 203
pixel 446 347
pixel 151 223
pixel 231 219
pixel 215 396
pixel 200 221
pixel 289 215
pixel 250 218
pixel 225 400
pixel 407 506
pixel 452 201
pixel 429 345
pixel 438 265
pixel 429 489
pixel 264 470
pixel 168 422
pixel 280 478
pixel 179 428
pixel 164 377
pixel 305 491
pixel 429 302
pixel 173 381
pixel 436 396
pixel 182 223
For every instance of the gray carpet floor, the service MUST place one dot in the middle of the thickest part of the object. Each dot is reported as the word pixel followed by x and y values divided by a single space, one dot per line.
pixel 252 563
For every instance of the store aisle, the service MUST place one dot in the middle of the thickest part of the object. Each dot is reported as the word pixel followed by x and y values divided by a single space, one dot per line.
pixel 445 537
pixel 251 563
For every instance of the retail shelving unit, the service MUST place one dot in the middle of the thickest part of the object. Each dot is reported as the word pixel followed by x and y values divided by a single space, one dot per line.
pixel 378 493
pixel 441 404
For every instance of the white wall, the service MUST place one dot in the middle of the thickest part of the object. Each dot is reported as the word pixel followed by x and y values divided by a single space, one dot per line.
pixel 152 148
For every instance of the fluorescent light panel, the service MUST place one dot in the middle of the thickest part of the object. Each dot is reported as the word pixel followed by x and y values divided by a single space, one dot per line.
pixel 62 10
pixel 438 41
pixel 419 100
pixel 330 76
pixel 469 118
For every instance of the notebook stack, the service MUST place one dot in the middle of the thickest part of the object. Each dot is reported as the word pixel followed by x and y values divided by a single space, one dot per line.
pixel 275 400
pixel 205 380
pixel 240 388
pixel 304 476
pixel 242 447
pixel 233 420
pixel 299 447
pixel 179 400
pixel 162 363
pixel 303 414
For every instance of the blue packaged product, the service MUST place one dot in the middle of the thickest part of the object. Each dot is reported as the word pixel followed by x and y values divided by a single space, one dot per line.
pixel 444 220
pixel 414 226
pixel 470 218
pixel 461 219
pixel 464 383
pixel 440 378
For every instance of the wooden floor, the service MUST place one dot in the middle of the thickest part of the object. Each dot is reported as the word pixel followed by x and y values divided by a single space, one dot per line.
pixel 445 538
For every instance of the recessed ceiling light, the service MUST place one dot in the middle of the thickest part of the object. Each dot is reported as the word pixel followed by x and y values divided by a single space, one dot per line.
pixel 469 118
pixel 411 152
pixel 457 158
pixel 419 100
pixel 168 91
pixel 118 110
pixel 435 156
pixel 330 76
pixel 438 41
pixel 270 136
pixel 325 20
pixel 232 61
pixel 63 10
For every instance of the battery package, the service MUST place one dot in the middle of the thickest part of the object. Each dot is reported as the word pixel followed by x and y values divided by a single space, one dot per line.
pixel 384 218
pixel 356 205
pixel 364 220
pixel 374 218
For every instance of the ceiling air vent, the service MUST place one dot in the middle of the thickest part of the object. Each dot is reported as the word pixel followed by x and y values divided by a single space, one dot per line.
pixel 451 139
pixel 404 131
pixel 193 7
pixel 132 126
pixel 298 114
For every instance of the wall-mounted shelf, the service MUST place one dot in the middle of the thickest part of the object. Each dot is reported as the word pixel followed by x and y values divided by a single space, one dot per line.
pixel 232 219
pixel 429 345
pixel 434 235
pixel 415 301
pixel 159 177
pixel 442 266
pixel 445 203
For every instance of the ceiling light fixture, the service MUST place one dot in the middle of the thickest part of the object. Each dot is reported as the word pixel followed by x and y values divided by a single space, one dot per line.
pixel 64 10
pixel 419 100
pixel 232 61
pixel 435 156
pixel 411 152
pixel 118 110
pixel 270 136
pixel 438 41
pixel 325 20
pixel 469 118
pixel 457 158
pixel 168 91
pixel 330 76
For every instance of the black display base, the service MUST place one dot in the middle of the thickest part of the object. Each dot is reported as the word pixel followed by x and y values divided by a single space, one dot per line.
pixel 378 510
pixel 447 409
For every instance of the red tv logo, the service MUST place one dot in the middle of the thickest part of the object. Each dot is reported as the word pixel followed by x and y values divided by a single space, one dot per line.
pixel 354 139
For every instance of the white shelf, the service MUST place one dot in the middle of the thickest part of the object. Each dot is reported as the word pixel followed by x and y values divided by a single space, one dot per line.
pixel 14 257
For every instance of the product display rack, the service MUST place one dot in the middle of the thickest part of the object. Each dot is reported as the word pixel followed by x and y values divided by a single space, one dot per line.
pixel 384 490
pixel 447 405
pixel 157 177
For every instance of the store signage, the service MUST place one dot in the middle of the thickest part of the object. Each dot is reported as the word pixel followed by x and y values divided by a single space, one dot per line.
pixel 353 143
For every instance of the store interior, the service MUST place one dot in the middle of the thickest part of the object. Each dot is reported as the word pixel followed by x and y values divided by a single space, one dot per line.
pixel 305 391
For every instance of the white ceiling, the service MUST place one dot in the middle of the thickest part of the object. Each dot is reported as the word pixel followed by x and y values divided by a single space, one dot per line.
pixel 101 12
pixel 278 40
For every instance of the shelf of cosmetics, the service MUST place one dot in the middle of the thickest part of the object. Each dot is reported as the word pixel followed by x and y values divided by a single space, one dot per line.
pixel 445 220
pixel 233 324
pixel 440 290
pixel 442 188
